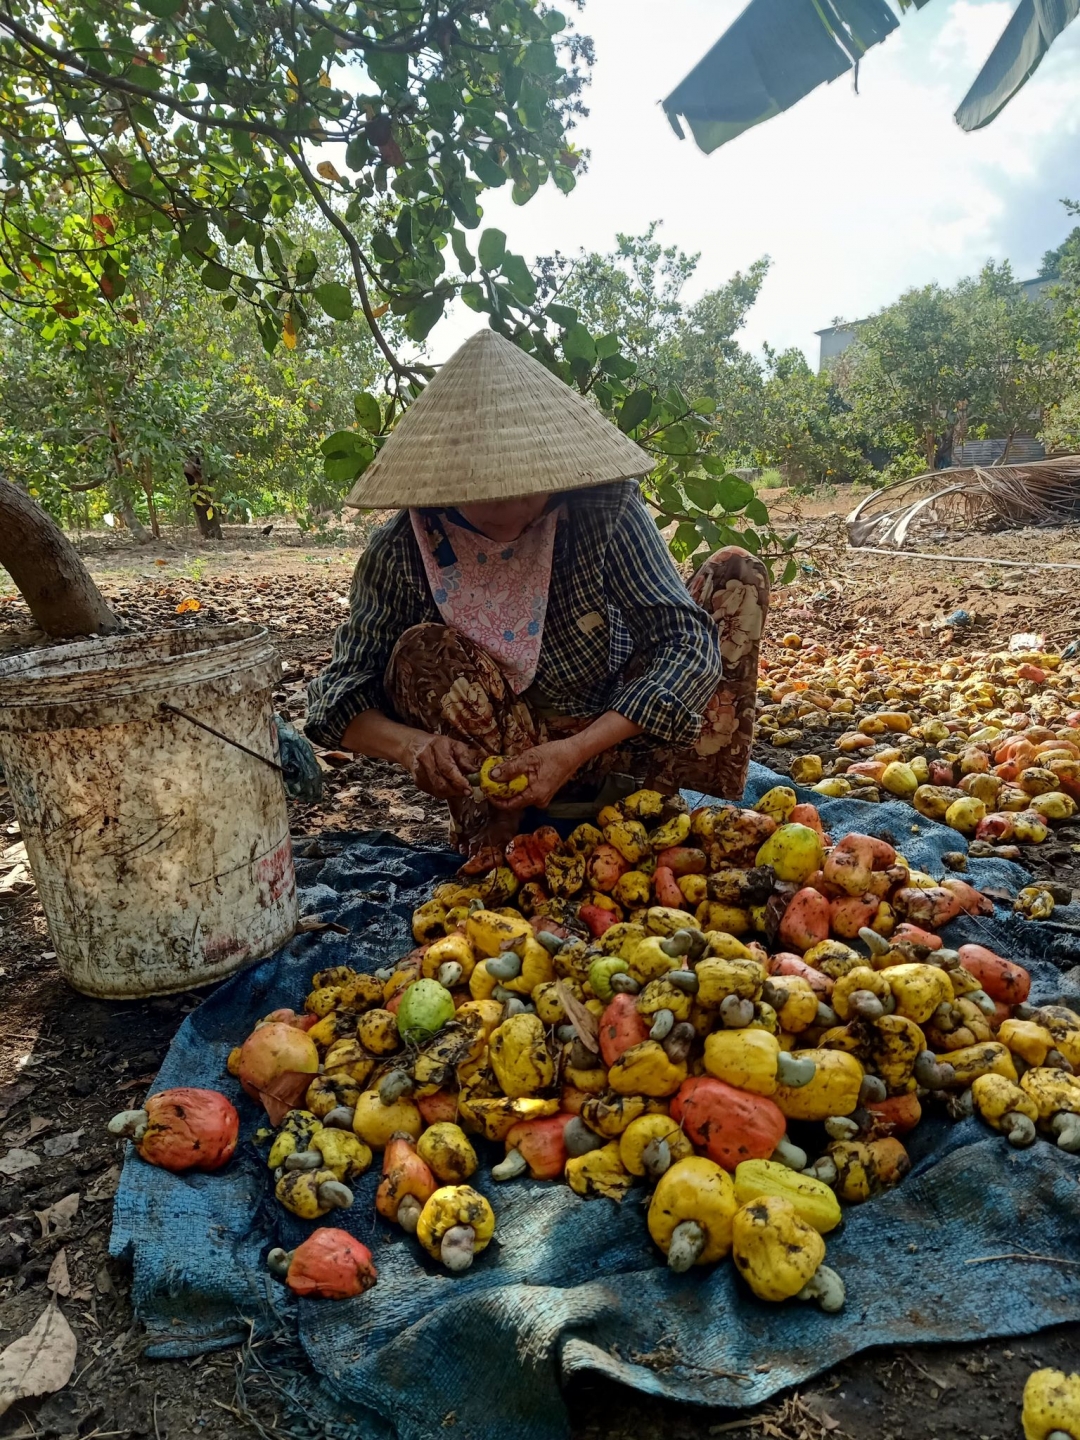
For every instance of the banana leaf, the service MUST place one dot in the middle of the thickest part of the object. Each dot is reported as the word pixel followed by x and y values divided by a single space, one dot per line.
pixel 776 52
pixel 1015 58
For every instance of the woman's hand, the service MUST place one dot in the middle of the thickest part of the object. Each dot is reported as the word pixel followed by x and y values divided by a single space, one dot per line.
pixel 548 768
pixel 440 766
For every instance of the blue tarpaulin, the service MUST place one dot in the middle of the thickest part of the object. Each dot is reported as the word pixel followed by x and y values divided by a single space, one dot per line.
pixel 965 1248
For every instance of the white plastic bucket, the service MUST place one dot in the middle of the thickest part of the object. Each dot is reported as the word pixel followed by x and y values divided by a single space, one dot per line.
pixel 161 852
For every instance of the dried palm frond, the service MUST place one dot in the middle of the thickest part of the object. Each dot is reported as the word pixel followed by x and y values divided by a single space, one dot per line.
pixel 1046 492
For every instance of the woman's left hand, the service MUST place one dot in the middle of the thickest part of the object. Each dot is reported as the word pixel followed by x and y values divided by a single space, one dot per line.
pixel 548 768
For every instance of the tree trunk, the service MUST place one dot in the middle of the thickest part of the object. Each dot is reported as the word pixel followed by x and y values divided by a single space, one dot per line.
pixel 147 481
pixel 48 570
pixel 139 533
pixel 206 515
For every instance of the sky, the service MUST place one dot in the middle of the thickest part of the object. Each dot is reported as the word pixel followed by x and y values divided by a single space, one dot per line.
pixel 855 198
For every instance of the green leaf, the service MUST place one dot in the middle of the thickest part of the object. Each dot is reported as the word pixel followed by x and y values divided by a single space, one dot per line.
pixel 734 493
pixel 220 33
pixel 675 440
pixel 488 169
pixel 564 315
pixel 342 442
pixel 461 250
pixel 619 366
pixel 540 58
pixel 384 247
pixel 423 318
pixel 306 267
pixel 519 278
pixel 367 411
pixel 578 345
pixel 702 490
pixel 791 569
pixel 335 299
pixel 757 511
pixel 492 249
pixel 214 277
pixel 685 540
pixel 704 406
pixel 473 295
pixel 607 346
pixel 634 409
pixel 390 71
pixel 163 9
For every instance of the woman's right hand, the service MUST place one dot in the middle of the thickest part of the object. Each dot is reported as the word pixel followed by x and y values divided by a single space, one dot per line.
pixel 440 766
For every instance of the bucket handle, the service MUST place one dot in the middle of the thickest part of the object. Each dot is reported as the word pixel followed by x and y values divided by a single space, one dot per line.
pixel 173 710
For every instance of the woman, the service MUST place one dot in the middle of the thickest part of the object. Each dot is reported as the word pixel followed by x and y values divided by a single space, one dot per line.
pixel 525 604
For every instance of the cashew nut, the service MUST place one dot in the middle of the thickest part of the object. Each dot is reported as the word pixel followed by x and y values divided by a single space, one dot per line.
pixel 1067 1129
pixel 826 1287
pixel 278 1261
pixel 304 1160
pixel 504 966
pixel 794 1070
pixel 1018 1129
pixel 514 1165
pixel 458 1248
pixel 687 1243
pixel 678 1043
pixel 408 1213
pixel 656 1157
pixel 932 1073
pixel 790 1155
pixel 551 943
pixel 686 980
pixel 449 974
pixel 130 1123
pixel 624 984
pixel 340 1118
pixel 736 1014
pixel 334 1195
pixel 579 1139
pixel 865 1005
pixel 393 1086
pixel 663 1020
pixel 841 1127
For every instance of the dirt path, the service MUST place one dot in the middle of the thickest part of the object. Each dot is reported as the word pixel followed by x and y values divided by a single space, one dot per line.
pixel 67 1063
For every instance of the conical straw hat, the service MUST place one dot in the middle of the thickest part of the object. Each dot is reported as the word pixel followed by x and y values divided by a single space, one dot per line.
pixel 494 424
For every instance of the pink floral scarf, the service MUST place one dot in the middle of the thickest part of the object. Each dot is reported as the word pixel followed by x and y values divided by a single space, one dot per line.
pixel 495 594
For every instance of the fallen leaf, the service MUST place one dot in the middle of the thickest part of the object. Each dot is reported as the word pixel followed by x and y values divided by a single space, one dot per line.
pixel 583 1021
pixel 311 924
pixel 58 1145
pixel 13 1094
pixel 58 1279
pixel 39 1362
pixel 16 1161
pixel 106 1184
pixel 103 1281
pixel 36 1125
pixel 188 606
pixel 56 1218
pixel 283 1094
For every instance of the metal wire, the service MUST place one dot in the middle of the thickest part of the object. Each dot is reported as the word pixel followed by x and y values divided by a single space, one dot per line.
pixel 173 710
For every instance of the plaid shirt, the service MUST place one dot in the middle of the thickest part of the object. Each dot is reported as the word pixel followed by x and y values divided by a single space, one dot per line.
pixel 615 598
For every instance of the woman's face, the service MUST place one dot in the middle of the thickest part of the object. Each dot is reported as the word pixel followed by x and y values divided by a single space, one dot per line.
pixel 504 519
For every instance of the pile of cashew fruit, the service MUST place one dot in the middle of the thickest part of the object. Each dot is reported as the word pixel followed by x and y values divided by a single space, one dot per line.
pixel 989 746
pixel 654 1000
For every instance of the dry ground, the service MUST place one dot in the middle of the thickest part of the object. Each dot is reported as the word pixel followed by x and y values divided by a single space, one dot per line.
pixel 67 1063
